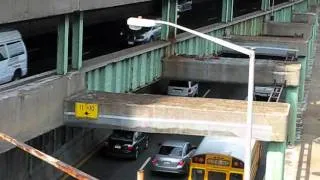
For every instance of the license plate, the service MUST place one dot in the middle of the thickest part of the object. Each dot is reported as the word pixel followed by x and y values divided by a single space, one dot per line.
pixel 166 163
pixel 117 147
pixel 130 43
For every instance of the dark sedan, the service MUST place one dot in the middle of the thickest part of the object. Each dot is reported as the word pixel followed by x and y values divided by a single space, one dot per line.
pixel 128 144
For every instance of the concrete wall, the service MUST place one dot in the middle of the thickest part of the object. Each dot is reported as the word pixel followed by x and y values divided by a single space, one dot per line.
pixel 32 110
pixel 231 70
pixel 66 144
pixel 288 29
pixel 18 10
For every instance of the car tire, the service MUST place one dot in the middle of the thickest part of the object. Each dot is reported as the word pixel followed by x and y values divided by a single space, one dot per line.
pixel 146 146
pixel 136 155
pixel 17 75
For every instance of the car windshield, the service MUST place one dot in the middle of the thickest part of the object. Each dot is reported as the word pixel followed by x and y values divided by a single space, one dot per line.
pixel 179 83
pixel 120 134
pixel 170 151
pixel 142 30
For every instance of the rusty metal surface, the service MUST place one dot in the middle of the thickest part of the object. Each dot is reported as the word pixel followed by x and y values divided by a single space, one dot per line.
pixel 49 159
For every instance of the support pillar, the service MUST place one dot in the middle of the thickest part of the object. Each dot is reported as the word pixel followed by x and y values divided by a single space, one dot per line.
pixel 169 13
pixel 62 50
pixel 227 11
pixel 265 5
pixel 292 99
pixel 303 62
pixel 77 40
pixel 275 161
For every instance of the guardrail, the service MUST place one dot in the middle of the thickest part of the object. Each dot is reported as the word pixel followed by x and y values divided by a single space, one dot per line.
pixel 136 67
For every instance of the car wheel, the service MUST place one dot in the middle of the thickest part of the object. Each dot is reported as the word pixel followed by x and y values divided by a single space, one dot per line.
pixel 147 144
pixel 136 155
pixel 17 75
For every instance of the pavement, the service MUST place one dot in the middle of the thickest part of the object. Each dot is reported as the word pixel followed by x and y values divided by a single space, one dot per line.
pixel 303 159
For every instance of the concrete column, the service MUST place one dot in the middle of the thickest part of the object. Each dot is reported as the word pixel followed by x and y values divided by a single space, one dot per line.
pixel 275 161
pixel 265 5
pixel 292 99
pixel 303 61
pixel 169 13
pixel 227 11
pixel 62 53
pixel 77 40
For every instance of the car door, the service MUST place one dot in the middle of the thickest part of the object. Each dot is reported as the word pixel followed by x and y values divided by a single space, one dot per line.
pixel 4 74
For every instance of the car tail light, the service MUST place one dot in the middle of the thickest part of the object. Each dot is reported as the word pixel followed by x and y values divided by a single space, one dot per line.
pixel 130 147
pixel 180 163
pixel 198 159
pixel 154 161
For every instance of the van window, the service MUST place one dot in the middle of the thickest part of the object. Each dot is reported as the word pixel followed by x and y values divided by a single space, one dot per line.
pixel 179 83
pixel 15 48
pixel 3 53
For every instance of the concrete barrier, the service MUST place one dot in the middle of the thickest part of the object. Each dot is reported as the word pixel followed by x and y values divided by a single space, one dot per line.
pixel 31 110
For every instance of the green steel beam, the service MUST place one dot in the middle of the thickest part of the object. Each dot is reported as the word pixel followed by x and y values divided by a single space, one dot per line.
pixel 292 99
pixel 227 11
pixel 275 161
pixel 62 52
pixel 77 40
pixel 169 13
pixel 303 62
pixel 265 5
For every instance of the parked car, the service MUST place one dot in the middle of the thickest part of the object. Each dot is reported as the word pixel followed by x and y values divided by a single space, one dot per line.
pixel 13 56
pixel 183 88
pixel 184 5
pixel 173 157
pixel 142 36
pixel 127 144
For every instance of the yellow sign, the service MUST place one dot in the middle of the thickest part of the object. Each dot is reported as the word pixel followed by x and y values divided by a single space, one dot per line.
pixel 86 110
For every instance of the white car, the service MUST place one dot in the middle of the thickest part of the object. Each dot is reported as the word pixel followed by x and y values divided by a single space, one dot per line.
pixel 183 88
pixel 184 5
pixel 144 35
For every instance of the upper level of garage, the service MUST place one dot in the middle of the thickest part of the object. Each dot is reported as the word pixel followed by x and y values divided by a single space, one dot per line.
pixel 13 11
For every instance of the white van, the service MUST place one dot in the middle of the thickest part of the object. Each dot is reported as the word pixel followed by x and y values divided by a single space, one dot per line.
pixel 183 88
pixel 13 56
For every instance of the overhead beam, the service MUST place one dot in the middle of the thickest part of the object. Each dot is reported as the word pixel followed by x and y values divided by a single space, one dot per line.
pixel 178 115
pixel 231 70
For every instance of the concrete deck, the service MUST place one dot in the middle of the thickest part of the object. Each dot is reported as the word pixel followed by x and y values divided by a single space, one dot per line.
pixel 180 115
pixel 231 70
pixel 296 43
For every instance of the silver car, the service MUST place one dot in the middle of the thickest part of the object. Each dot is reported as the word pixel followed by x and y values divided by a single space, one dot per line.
pixel 173 157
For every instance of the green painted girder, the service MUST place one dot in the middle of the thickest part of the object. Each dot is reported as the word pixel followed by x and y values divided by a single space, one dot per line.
pixel 169 13
pixel 275 159
pixel 63 40
pixel 77 40
pixel 292 99
pixel 227 11
pixel 128 74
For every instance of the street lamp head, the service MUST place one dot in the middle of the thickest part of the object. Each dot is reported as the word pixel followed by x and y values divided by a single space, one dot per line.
pixel 138 23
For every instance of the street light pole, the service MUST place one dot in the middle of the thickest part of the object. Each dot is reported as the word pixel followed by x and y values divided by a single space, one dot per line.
pixel 137 23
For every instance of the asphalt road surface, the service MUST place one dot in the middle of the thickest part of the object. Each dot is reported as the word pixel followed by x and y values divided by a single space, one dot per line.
pixel 108 168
